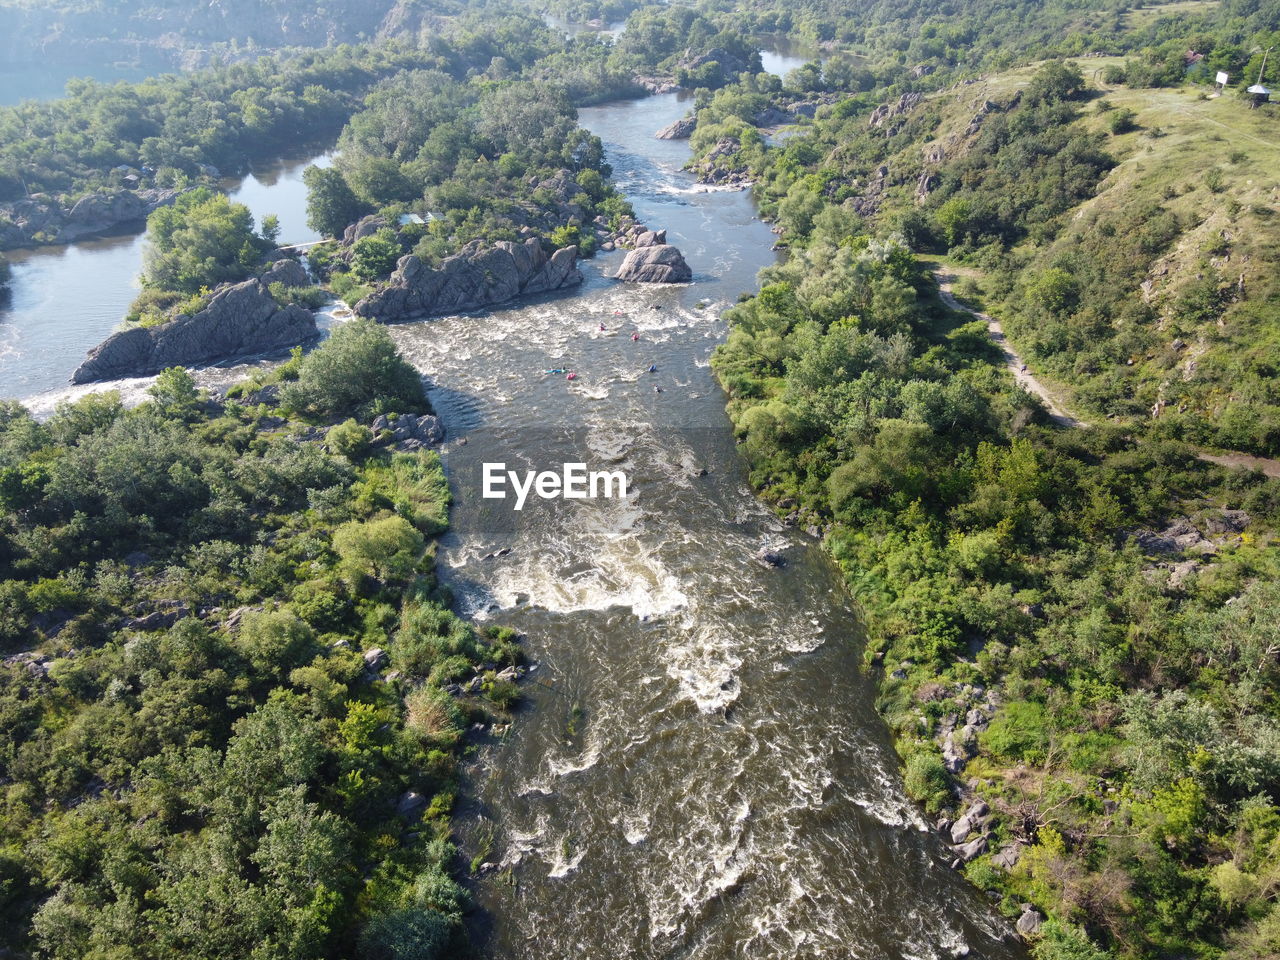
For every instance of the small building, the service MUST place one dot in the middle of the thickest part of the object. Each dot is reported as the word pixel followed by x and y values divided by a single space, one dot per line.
pixel 408 218
pixel 1258 95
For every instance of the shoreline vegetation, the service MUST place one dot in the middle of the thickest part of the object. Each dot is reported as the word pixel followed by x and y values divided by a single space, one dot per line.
pixel 246 702
pixel 1072 630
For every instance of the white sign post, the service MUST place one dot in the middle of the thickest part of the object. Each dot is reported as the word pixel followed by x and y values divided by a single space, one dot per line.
pixel 1221 79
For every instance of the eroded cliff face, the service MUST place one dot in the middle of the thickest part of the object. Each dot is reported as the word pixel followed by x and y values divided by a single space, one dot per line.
pixel 476 277
pixel 241 319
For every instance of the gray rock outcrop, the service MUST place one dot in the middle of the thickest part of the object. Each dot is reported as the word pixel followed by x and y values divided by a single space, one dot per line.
pixel 886 113
pixel 240 319
pixel 42 219
pixel 682 129
pixel 656 263
pixel 1030 922
pixel 364 227
pixel 473 279
pixel 407 431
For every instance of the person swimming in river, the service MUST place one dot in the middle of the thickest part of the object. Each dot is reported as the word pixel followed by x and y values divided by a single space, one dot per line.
pixel 571 376
pixel 602 326
pixel 636 335
pixel 653 368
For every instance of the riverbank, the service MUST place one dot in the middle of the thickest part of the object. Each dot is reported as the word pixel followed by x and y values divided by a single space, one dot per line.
pixel 317 699
pixel 1023 588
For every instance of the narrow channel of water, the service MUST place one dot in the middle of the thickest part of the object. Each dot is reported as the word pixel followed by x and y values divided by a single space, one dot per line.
pixel 64 300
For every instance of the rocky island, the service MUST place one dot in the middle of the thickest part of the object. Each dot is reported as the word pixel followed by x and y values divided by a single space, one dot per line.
pixel 44 219
pixel 651 259
pixel 476 277
pixel 239 320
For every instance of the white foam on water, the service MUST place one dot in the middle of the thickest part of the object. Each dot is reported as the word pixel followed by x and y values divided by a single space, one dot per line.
pixel 705 667
pixel 564 862
pixel 635 827
pixel 133 391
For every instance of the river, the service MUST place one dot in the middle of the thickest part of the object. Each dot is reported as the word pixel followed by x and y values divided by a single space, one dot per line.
pixel 64 300
pixel 699 771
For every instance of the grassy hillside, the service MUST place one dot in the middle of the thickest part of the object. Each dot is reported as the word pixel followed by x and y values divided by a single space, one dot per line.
pixel 1127 237
pixel 1172 314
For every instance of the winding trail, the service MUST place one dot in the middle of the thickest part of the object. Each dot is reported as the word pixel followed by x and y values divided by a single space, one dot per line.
pixel 1015 364
pixel 1231 459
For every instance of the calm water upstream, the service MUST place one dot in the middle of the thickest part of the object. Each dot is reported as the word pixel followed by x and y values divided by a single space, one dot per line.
pixel 701 772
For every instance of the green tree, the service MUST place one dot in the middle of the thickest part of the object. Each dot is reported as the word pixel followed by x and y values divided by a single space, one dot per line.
pixel 201 240
pixel 357 370
pixel 331 203
pixel 375 256
pixel 175 392
pixel 387 548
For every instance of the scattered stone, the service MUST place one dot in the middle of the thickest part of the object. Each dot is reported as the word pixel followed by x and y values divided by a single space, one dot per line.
pixel 954 756
pixel 1008 856
pixel 407 431
pixel 411 804
pixel 973 849
pixel 961 829
pixel 375 657
pixel 882 114
pixel 1228 521
pixel 770 558
pixel 156 619
pixel 1180 572
pixel 1029 923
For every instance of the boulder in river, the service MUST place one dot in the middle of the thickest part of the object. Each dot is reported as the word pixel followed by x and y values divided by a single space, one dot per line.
pixel 474 278
pixel 241 319
pixel 682 129
pixel 770 558
pixel 656 263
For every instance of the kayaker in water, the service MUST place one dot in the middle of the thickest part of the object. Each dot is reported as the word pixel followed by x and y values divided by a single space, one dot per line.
pixel 653 368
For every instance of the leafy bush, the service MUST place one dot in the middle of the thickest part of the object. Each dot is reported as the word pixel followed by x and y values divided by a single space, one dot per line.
pixel 927 781
pixel 357 370
pixel 349 439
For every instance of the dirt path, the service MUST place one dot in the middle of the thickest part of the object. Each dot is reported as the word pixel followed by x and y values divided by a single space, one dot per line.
pixel 1026 379
pixel 1016 365
pixel 1243 461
